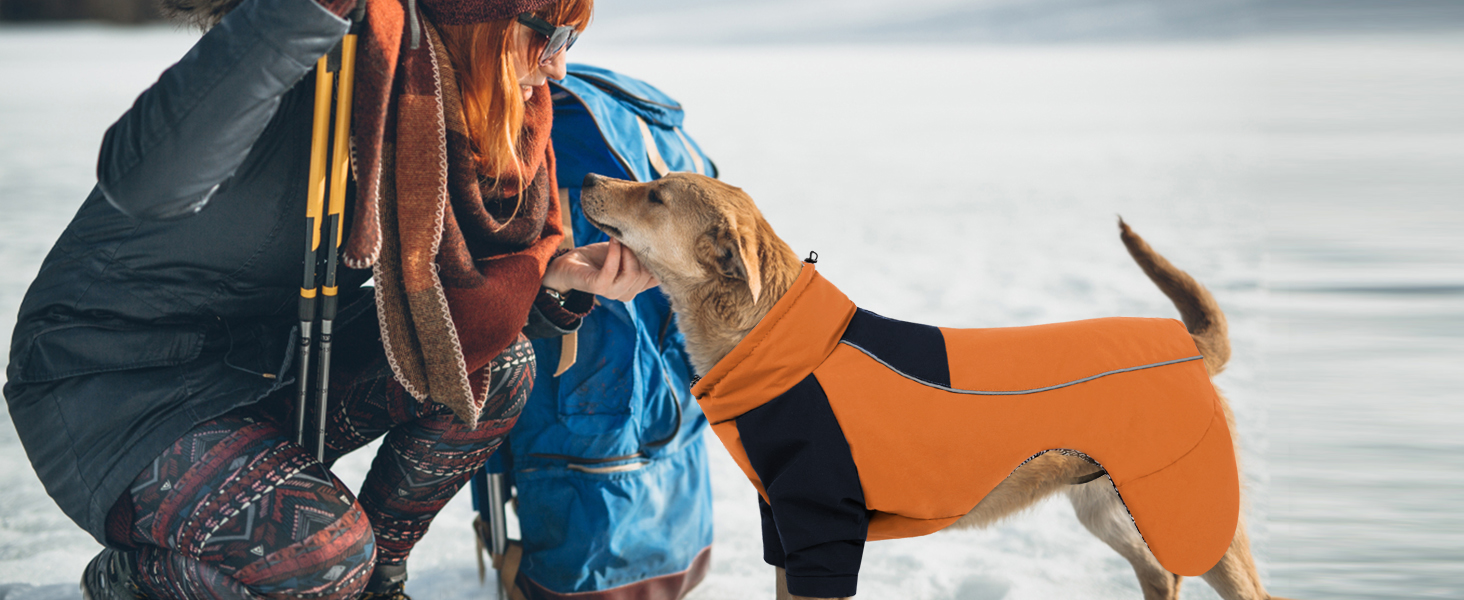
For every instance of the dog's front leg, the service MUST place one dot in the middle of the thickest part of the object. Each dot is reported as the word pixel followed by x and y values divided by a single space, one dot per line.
pixel 783 588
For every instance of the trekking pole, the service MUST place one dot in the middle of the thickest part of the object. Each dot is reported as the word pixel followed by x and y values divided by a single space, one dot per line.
pixel 498 495
pixel 314 205
pixel 340 166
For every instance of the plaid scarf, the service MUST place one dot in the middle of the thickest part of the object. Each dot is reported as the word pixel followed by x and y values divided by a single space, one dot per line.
pixel 457 258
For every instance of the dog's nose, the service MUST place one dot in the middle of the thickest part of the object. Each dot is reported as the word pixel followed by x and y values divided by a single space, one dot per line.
pixel 591 180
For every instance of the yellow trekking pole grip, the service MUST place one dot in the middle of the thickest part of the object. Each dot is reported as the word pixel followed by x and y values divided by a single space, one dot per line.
pixel 319 139
pixel 341 153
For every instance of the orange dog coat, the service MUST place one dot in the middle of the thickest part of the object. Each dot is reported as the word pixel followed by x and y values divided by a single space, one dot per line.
pixel 852 426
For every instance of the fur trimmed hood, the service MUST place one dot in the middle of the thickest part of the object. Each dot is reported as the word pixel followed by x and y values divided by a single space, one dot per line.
pixel 203 14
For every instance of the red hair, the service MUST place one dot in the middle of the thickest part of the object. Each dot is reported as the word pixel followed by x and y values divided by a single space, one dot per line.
pixel 487 73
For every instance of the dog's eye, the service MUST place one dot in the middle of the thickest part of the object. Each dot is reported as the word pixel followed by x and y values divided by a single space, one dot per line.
pixel 654 197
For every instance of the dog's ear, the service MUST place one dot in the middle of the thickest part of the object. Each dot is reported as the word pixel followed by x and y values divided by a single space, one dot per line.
pixel 735 255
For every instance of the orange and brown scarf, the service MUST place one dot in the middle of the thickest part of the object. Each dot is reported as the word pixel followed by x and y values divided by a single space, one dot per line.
pixel 457 258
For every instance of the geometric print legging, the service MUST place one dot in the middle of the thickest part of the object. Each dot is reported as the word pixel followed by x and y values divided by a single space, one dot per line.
pixel 236 510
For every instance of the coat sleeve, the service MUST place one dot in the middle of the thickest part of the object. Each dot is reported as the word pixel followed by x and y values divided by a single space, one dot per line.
pixel 550 318
pixel 189 132
pixel 816 521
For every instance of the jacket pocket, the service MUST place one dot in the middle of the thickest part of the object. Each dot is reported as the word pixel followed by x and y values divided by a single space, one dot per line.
pixel 74 349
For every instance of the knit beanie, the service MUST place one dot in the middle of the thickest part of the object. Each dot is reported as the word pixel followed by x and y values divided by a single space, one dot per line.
pixel 468 12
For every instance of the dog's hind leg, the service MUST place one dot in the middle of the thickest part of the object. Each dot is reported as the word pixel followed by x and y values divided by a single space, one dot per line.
pixel 1235 576
pixel 1100 510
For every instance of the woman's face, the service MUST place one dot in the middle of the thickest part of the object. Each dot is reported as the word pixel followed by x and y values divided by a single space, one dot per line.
pixel 531 73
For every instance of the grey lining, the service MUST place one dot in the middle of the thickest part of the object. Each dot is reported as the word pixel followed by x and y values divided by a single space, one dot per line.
pixel 1015 392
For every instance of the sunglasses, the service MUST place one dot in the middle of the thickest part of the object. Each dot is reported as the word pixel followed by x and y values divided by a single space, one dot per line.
pixel 560 38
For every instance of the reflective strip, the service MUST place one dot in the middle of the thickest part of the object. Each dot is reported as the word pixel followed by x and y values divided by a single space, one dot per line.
pixel 330 290
pixel 696 159
pixel 652 152
pixel 307 293
pixel 1018 392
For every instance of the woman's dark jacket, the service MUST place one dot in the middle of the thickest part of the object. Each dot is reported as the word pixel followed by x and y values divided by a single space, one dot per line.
pixel 171 297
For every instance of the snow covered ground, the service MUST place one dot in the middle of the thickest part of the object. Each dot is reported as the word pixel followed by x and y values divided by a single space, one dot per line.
pixel 1312 183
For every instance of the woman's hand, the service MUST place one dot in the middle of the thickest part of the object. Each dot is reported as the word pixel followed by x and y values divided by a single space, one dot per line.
pixel 605 269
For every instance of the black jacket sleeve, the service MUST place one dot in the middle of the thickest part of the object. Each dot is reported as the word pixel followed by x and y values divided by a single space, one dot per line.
pixel 540 327
pixel 816 509
pixel 191 130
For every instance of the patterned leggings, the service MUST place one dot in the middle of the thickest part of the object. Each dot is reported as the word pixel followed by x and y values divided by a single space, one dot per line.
pixel 235 509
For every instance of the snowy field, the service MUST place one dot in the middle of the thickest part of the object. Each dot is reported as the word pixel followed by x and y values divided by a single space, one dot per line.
pixel 1314 184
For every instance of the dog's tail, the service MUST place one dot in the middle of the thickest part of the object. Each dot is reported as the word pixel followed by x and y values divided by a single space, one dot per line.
pixel 1202 316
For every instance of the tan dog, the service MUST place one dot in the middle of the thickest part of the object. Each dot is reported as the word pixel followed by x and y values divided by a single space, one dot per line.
pixel 723 269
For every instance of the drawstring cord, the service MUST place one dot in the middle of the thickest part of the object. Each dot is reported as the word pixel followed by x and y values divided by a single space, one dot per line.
pixel 229 332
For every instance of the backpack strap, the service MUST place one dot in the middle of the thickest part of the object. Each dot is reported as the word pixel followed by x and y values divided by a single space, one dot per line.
pixel 569 344
pixel 696 159
pixel 508 570
pixel 652 152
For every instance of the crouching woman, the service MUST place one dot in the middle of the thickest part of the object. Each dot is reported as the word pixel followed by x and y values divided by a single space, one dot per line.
pixel 152 373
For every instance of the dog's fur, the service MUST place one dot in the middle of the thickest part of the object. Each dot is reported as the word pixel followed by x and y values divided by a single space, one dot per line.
pixel 723 269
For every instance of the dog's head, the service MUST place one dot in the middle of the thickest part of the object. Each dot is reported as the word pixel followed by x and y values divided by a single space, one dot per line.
pixel 689 230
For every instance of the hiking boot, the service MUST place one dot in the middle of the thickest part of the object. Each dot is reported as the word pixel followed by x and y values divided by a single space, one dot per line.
pixel 388 582
pixel 109 576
